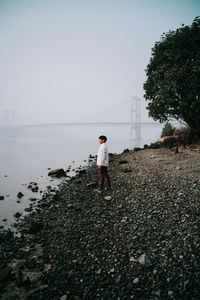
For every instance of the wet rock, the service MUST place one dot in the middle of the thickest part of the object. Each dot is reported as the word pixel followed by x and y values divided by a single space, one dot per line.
pixel 32 199
pixel 20 195
pixel 33 186
pixel 17 215
pixel 28 209
pixel 57 173
pixel 35 189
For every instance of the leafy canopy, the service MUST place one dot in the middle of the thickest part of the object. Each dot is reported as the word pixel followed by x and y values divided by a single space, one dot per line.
pixel 172 88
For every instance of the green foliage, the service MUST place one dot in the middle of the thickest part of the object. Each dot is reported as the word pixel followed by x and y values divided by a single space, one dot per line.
pixel 172 88
pixel 168 130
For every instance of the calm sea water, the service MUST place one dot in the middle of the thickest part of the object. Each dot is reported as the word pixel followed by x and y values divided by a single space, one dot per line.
pixel 26 153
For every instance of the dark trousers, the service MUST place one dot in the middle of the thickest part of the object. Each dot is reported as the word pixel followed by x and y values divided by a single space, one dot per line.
pixel 103 171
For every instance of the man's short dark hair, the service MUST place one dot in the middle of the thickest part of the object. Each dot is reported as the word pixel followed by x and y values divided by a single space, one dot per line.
pixel 103 137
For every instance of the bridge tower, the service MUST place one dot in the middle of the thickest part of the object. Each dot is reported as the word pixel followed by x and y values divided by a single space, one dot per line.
pixel 8 117
pixel 135 119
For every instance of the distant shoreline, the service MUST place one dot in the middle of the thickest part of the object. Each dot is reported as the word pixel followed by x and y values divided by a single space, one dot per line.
pixel 89 124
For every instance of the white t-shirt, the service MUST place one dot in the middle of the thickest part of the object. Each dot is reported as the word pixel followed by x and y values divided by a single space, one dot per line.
pixel 103 157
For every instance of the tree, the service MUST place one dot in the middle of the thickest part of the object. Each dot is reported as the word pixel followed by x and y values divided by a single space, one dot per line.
pixel 167 130
pixel 172 88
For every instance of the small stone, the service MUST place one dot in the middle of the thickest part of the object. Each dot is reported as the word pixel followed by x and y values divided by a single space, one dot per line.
pixel 64 297
pixel 70 205
pixel 124 220
pixel 136 280
pixel 49 267
pixel 132 259
pixel 107 198
pixel 157 293
pixel 170 293
pixel 98 272
pixel 112 270
pixel 144 260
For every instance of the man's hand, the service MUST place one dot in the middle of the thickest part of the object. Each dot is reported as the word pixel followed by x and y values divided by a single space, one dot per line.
pixel 99 167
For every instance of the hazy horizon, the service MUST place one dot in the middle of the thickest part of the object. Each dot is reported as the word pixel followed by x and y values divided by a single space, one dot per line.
pixel 80 61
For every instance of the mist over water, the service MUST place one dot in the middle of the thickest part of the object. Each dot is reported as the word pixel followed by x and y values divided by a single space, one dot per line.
pixel 27 153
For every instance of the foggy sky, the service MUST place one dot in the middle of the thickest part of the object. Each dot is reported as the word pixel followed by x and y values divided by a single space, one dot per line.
pixel 80 60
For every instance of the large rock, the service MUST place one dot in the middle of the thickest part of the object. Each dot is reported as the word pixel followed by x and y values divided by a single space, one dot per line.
pixel 4 273
pixel 57 173
pixel 22 279
pixel 35 227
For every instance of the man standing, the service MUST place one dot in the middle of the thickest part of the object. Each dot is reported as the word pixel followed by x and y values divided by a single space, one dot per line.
pixel 102 162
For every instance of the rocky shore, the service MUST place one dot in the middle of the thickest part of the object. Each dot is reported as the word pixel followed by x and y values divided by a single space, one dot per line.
pixel 139 240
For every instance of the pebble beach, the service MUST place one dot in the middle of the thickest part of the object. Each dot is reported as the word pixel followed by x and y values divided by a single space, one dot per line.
pixel 139 240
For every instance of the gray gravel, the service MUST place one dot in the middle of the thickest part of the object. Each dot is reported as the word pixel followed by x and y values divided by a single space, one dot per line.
pixel 138 241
